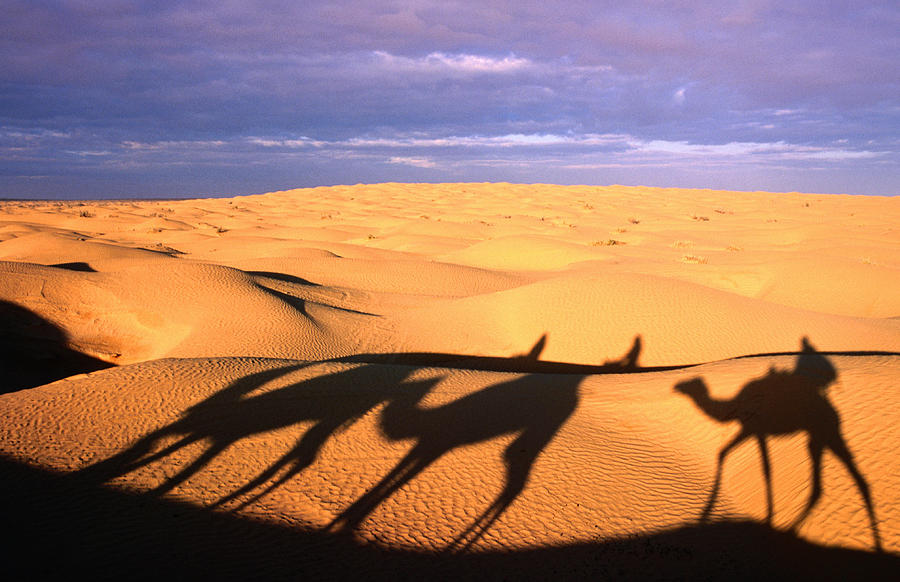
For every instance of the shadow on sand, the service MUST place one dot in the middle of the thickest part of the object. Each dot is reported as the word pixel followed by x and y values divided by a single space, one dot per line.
pixel 785 402
pixel 80 525
pixel 331 402
pixel 525 407
pixel 34 352
pixel 58 528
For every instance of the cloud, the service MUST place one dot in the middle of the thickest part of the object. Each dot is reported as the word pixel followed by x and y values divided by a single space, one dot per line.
pixel 482 141
pixel 415 162
pixel 89 153
pixel 32 134
pixel 750 151
pixel 614 144
pixel 301 142
pixel 438 63
pixel 170 145
pixel 530 86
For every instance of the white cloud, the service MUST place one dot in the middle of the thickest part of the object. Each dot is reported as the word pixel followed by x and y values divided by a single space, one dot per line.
pixel 300 142
pixel 32 134
pixel 89 153
pixel 415 162
pixel 500 141
pixel 171 145
pixel 779 150
pixel 568 150
pixel 439 62
pixel 572 151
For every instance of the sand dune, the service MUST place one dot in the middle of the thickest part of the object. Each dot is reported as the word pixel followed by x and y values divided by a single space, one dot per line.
pixel 631 455
pixel 474 368
pixel 590 319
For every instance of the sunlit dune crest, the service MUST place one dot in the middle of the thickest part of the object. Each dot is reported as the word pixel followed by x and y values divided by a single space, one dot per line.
pixel 459 378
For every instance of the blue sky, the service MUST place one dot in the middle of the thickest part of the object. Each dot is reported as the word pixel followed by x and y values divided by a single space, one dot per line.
pixel 115 98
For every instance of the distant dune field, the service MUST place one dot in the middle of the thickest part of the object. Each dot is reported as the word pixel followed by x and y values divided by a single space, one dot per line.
pixel 445 380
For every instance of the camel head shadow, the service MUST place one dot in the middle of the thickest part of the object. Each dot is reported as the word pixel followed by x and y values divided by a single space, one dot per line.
pixel 784 402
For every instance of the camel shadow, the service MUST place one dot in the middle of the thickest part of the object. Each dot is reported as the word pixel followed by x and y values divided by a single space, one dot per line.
pixel 332 402
pixel 34 352
pixel 526 407
pixel 785 402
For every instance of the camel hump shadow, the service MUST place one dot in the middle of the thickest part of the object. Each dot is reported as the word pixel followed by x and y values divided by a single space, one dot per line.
pixel 785 402
pixel 531 407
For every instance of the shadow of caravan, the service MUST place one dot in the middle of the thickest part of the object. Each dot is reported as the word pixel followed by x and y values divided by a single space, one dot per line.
pixel 526 407
pixel 784 402
pixel 531 407
pixel 229 416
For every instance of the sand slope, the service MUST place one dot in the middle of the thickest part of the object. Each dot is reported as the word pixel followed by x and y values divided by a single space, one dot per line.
pixel 630 455
pixel 434 367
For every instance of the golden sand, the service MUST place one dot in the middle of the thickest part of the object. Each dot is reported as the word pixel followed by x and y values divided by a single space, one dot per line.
pixel 467 368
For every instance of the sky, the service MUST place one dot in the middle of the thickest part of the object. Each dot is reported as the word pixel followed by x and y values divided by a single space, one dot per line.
pixel 129 98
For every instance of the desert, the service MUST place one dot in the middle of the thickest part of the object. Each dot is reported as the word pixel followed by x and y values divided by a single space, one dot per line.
pixel 488 380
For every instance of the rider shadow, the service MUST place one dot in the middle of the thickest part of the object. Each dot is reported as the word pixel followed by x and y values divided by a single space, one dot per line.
pixel 532 407
pixel 785 402
pixel 332 402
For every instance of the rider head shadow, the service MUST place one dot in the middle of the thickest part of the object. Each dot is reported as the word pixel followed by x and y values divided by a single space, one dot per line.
pixel 532 407
pixel 785 402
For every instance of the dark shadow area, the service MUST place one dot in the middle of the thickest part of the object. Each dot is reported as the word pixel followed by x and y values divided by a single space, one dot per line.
pixel 295 302
pixel 526 407
pixel 59 529
pixel 66 525
pixel 283 277
pixel 230 415
pixel 785 402
pixel 34 352
pixel 531 408
pixel 79 266
pixel 300 304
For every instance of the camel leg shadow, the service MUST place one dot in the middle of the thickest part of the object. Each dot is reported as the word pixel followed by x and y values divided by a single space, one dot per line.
pixel 301 456
pixel 785 402
pixel 717 481
pixel 405 471
pixel 519 457
pixel 191 427
pixel 135 457
pixel 767 474
pixel 842 452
